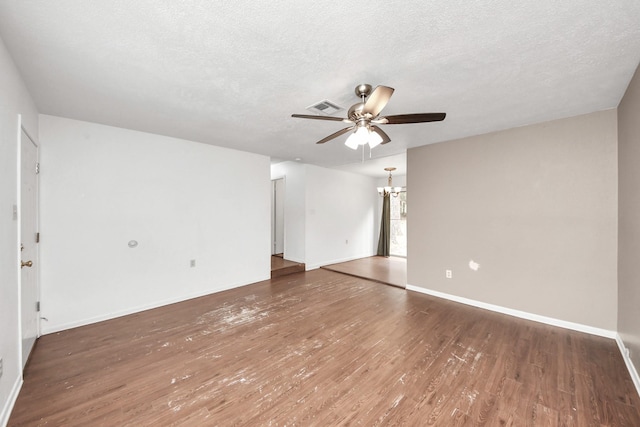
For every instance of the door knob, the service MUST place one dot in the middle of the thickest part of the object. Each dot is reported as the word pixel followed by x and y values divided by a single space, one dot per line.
pixel 26 264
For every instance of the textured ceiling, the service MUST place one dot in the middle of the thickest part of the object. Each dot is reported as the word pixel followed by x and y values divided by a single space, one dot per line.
pixel 232 73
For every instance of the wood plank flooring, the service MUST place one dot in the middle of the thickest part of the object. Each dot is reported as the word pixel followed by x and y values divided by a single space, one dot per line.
pixel 322 348
pixel 282 267
pixel 388 270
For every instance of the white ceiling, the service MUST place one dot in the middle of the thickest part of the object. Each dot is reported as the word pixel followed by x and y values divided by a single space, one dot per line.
pixel 232 73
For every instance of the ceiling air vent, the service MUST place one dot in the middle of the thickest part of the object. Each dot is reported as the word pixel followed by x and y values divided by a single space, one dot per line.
pixel 325 107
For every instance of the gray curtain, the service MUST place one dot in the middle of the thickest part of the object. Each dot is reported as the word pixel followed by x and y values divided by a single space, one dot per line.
pixel 385 227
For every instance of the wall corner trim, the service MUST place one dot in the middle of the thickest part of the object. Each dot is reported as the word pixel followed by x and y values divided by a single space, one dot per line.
pixel 11 401
pixel 630 366
pixel 517 313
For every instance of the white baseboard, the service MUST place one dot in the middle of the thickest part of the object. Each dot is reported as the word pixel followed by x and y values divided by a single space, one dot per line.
pixel 627 360
pixel 11 401
pixel 517 313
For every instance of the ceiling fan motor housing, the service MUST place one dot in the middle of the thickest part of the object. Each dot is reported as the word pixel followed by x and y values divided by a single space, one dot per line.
pixel 355 112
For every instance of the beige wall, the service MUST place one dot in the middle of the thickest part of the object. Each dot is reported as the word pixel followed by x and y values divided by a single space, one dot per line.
pixel 629 219
pixel 535 206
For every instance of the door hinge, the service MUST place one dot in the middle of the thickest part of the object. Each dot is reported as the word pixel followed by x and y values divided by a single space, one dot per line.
pixel 38 306
pixel 38 237
pixel 37 168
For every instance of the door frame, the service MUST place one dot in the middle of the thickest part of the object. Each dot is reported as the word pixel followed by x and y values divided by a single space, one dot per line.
pixel 277 215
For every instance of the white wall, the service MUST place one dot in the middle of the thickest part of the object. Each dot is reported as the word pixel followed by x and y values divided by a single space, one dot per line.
pixel 340 216
pixel 325 209
pixel 14 101
pixel 103 186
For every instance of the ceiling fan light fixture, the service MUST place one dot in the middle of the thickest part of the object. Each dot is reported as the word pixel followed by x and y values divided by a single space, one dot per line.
pixel 363 136
pixel 352 141
pixel 374 139
pixel 357 138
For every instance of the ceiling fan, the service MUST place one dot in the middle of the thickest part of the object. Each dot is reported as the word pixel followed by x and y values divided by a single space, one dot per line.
pixel 365 118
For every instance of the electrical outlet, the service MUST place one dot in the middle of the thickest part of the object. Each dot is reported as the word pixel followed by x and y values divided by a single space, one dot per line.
pixel 448 274
pixel 193 263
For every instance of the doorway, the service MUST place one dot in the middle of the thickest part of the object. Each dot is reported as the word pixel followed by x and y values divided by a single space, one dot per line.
pixel 277 216
pixel 398 224
pixel 29 237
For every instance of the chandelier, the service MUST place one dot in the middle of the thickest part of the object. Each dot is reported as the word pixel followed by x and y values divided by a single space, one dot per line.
pixel 389 189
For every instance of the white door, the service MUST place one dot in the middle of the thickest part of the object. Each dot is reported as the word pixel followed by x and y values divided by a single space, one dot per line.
pixel 29 292
pixel 277 216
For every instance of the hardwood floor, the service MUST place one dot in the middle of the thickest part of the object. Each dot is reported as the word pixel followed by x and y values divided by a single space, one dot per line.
pixel 322 348
pixel 387 270
pixel 282 267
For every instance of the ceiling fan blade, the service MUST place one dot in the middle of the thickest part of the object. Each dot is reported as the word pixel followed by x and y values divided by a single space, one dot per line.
pixel 335 135
pixel 383 135
pixel 411 118
pixel 309 116
pixel 377 100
